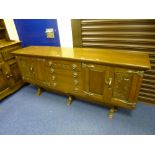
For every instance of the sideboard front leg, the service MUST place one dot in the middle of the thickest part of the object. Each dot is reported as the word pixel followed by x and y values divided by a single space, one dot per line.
pixel 111 112
pixel 69 100
pixel 39 91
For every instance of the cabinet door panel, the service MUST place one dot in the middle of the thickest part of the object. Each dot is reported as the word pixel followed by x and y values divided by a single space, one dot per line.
pixel 4 83
pixel 41 71
pixel 94 81
pixel 1 58
pixel 15 72
pixel 7 73
pixel 26 66
pixel 125 87
pixel 122 84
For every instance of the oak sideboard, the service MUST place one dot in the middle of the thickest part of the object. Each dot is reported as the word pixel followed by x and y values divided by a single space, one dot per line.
pixel 103 76
pixel 10 77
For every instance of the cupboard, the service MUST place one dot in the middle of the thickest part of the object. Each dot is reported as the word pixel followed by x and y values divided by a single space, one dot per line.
pixel 10 77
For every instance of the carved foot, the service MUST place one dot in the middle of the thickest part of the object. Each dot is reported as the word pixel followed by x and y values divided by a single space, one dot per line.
pixel 39 91
pixel 69 100
pixel 111 112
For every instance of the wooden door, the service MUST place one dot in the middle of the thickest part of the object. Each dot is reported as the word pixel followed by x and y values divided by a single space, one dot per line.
pixel 124 88
pixel 4 82
pixel 27 68
pixel 94 81
pixel 15 73
pixel 1 58
pixel 41 71
pixel 7 81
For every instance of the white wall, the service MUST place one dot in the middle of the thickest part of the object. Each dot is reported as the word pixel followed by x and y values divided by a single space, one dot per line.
pixel 12 32
pixel 65 32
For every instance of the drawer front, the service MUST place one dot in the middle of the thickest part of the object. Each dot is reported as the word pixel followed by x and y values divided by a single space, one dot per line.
pixel 6 52
pixel 66 65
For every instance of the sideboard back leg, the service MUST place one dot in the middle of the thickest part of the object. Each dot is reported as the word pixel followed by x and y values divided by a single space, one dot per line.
pixel 69 100
pixel 39 91
pixel 111 112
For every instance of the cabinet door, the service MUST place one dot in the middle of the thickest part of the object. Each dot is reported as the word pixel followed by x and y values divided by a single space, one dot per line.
pixel 27 68
pixel 1 58
pixel 4 83
pixel 41 71
pixel 7 73
pixel 15 73
pixel 6 80
pixel 94 85
pixel 124 88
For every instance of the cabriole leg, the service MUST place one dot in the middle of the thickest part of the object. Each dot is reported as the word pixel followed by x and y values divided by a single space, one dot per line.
pixel 39 91
pixel 69 100
pixel 111 112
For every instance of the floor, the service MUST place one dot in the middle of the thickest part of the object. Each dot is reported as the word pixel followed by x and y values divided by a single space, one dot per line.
pixel 25 113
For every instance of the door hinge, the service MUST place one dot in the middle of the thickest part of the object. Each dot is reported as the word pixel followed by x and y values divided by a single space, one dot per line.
pixel 140 73
pixel 84 65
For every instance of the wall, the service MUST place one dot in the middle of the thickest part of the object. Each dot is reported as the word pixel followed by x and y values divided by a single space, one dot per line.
pixel 65 32
pixel 12 32
pixel 64 27
pixel 32 32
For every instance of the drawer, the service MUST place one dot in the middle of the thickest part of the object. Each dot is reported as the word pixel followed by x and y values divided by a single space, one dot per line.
pixel 60 86
pixel 65 73
pixel 24 58
pixel 66 78
pixel 6 52
pixel 66 87
pixel 66 65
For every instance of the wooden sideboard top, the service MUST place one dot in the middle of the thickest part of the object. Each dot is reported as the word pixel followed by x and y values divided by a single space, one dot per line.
pixel 4 43
pixel 102 56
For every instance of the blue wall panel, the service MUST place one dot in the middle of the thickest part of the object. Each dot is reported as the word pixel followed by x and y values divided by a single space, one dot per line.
pixel 32 32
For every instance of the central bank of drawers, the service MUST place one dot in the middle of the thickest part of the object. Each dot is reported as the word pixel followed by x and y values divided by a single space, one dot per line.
pixel 65 75
pixel 59 75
